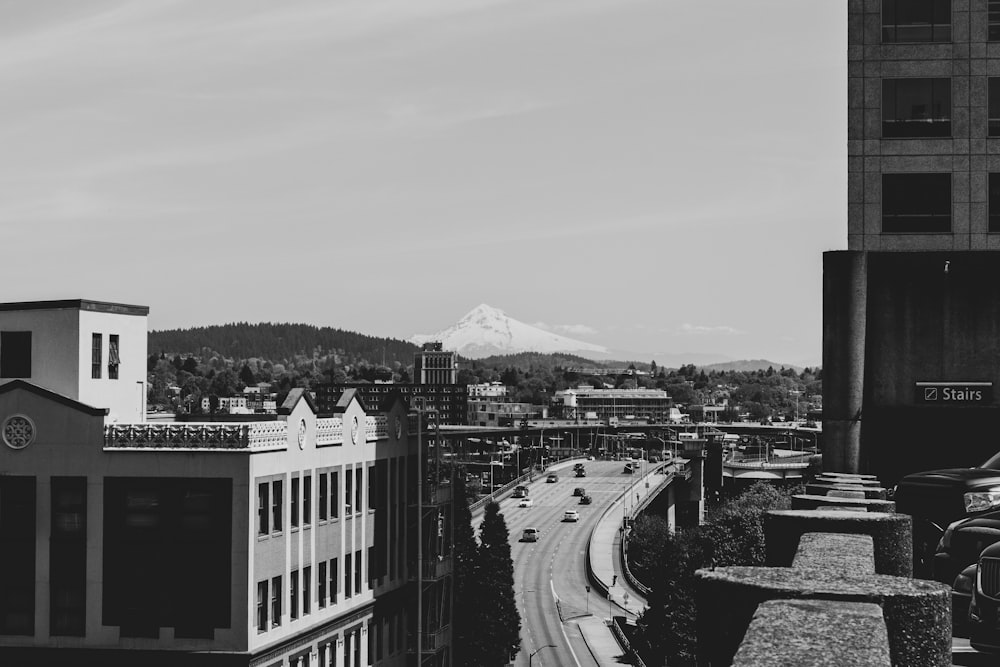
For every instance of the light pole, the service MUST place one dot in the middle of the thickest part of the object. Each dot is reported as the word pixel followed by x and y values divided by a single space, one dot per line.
pixel 532 655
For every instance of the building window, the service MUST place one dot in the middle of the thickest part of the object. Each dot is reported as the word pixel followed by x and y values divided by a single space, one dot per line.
pixel 334 495
pixel 68 557
pixel 294 500
pixel 275 601
pixel 321 584
pixel 916 203
pixel 262 606
pixel 993 111
pixel 306 589
pixel 323 500
pixel 993 13
pixel 357 571
pixel 113 359
pixel 916 21
pixel 263 508
pixel 307 500
pixel 994 202
pixel 348 591
pixel 15 354
pixel 348 492
pixel 95 356
pixel 333 580
pixel 358 479
pixel 916 107
pixel 293 589
pixel 276 508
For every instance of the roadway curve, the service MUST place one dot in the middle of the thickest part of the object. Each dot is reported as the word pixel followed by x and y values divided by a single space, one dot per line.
pixel 554 567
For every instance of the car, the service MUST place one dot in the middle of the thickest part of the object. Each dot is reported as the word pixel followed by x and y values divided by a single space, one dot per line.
pixel 520 492
pixel 957 553
pixel 581 473
pixel 984 605
pixel 586 500
pixel 529 535
pixel 628 469
pixel 578 491
pixel 578 466
pixel 571 515
pixel 525 502
pixel 590 458
pixel 552 478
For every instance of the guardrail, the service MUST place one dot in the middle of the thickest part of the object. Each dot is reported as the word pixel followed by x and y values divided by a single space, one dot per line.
pixel 623 641
pixel 500 493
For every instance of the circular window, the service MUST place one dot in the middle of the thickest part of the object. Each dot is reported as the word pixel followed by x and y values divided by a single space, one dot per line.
pixel 18 431
pixel 302 433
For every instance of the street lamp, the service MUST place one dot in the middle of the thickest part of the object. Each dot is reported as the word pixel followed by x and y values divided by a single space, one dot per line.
pixel 532 655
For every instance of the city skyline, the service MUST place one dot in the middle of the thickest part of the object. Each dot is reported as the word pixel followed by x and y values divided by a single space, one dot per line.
pixel 639 175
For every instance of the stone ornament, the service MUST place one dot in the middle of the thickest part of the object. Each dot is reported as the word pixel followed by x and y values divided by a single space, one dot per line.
pixel 302 433
pixel 354 429
pixel 18 431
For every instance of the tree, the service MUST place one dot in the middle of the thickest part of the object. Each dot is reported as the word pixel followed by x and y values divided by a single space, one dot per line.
pixel 247 376
pixel 497 625
pixel 465 554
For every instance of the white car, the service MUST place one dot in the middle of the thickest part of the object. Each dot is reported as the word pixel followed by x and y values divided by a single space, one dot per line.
pixel 525 502
pixel 571 515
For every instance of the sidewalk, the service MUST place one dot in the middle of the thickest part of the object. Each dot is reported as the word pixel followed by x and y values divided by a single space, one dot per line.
pixel 606 567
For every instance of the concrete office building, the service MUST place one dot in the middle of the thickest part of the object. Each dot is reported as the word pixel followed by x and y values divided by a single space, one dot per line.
pixel 912 307
pixel 586 402
pixel 434 365
pixel 296 541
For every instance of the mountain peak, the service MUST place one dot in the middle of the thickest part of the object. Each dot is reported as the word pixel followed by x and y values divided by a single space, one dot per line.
pixel 486 331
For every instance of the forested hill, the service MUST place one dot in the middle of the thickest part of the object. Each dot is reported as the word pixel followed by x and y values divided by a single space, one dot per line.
pixel 281 343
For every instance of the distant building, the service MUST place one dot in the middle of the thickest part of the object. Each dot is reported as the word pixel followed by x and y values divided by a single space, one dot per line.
pixel 490 412
pixel 495 390
pixel 434 365
pixel 93 352
pixel 587 402
pixel 449 400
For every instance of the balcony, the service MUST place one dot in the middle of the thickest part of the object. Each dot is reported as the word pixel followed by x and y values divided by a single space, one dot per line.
pixel 189 435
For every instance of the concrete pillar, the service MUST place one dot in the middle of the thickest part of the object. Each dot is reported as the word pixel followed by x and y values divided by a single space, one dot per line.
pixel 845 297
pixel 339 650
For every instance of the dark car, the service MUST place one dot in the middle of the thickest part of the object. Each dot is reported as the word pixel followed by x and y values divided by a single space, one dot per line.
pixel 551 478
pixel 580 472
pixel 628 469
pixel 578 491
pixel 936 498
pixel 984 607
pixel 958 551
pixel 586 500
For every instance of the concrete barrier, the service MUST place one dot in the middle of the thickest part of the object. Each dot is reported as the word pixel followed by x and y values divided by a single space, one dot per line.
pixel 852 554
pixel 817 489
pixel 804 501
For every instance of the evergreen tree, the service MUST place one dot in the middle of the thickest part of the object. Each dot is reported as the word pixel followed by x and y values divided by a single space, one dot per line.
pixel 497 625
pixel 465 554
pixel 246 376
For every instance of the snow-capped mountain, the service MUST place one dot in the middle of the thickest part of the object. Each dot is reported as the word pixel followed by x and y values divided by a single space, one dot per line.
pixel 485 331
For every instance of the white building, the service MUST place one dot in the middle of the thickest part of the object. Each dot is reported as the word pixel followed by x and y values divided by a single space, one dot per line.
pixel 91 351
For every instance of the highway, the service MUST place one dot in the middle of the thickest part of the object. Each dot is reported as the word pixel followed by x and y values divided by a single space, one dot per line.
pixel 554 567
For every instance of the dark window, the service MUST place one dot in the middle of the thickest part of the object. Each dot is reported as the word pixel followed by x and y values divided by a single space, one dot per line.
pixel 916 21
pixel 916 107
pixel 348 589
pixel 321 584
pixel 333 581
pixel 68 557
pixel 357 571
pixel 113 359
pixel 293 589
pixel 324 501
pixel 294 500
pixel 276 508
pixel 262 606
pixel 15 354
pixel 306 589
pixel 358 478
pixel 334 495
pixel 994 202
pixel 95 356
pixel 993 12
pixel 348 492
pixel 916 203
pixel 307 500
pixel 263 508
pixel 993 112
pixel 275 601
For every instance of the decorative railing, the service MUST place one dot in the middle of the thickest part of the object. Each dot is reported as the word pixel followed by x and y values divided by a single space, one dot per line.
pixel 329 431
pixel 188 435
pixel 376 426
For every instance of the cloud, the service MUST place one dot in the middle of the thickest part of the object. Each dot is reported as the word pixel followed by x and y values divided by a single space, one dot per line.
pixel 699 330
pixel 568 329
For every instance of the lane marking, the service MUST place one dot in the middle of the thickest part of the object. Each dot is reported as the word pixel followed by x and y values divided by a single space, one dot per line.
pixel 562 626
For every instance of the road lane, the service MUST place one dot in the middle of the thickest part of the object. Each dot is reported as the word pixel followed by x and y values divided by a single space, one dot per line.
pixel 555 566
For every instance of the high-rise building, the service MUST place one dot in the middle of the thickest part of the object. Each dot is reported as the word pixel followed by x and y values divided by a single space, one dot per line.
pixel 434 365
pixel 912 307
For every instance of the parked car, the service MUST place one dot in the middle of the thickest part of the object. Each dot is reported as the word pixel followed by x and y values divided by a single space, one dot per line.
pixel 571 515
pixel 578 491
pixel 586 500
pixel 984 605
pixel 957 553
pixel 552 478
pixel 937 498
pixel 525 502
pixel 529 535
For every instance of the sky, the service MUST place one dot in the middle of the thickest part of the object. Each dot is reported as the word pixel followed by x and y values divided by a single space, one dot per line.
pixel 651 175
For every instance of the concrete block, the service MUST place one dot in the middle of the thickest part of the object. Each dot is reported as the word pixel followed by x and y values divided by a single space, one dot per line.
pixel 836 551
pixel 805 501
pixel 823 489
pixel 892 534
